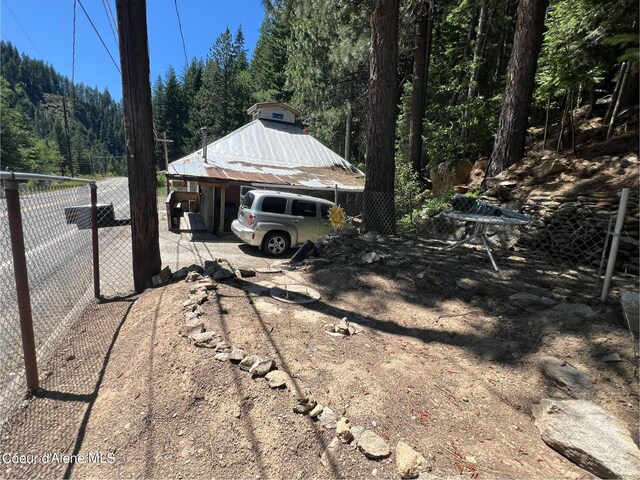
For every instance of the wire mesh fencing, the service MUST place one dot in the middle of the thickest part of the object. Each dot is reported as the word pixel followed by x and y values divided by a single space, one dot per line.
pixel 569 236
pixel 116 274
pixel 56 221
pixel 58 260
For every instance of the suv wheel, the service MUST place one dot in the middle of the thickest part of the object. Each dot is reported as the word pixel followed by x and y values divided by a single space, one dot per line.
pixel 276 243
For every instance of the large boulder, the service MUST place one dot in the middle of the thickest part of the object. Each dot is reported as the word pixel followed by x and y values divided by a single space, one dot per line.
pixel 589 436
pixel 576 383
pixel 446 175
pixel 630 309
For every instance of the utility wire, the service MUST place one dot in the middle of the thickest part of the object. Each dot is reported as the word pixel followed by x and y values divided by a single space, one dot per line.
pixel 73 50
pixel 109 19
pixel 184 48
pixel 99 36
pixel 22 28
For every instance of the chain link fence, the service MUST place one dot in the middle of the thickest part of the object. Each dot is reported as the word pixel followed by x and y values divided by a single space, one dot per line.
pixel 56 225
pixel 567 236
pixel 116 274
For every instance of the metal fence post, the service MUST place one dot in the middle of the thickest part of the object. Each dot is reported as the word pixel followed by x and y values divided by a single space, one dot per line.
pixel 22 284
pixel 611 265
pixel 94 239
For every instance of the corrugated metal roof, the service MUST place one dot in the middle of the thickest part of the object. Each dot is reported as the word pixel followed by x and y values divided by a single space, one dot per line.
pixel 270 152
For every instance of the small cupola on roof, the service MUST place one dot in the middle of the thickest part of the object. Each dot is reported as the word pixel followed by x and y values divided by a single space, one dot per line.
pixel 278 112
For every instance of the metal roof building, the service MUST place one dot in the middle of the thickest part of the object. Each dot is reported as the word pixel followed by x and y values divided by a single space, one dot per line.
pixel 269 152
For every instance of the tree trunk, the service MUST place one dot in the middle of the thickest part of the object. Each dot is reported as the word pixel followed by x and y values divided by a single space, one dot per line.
pixel 560 145
pixel 616 92
pixel 619 101
pixel 546 122
pixel 138 128
pixel 379 208
pixel 347 137
pixel 424 24
pixel 507 39
pixel 508 147
pixel 475 65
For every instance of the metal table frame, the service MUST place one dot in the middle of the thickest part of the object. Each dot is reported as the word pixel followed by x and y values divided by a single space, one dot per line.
pixel 507 217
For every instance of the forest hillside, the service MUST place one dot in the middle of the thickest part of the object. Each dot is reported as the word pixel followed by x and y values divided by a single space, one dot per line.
pixel 452 63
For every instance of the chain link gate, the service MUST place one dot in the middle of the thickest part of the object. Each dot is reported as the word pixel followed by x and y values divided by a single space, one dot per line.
pixel 57 263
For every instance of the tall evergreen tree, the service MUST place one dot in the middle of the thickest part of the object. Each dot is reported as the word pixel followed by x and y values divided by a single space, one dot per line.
pixel 224 95
pixel 379 209
pixel 512 127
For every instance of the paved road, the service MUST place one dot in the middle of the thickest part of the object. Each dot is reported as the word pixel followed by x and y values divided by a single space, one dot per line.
pixel 59 265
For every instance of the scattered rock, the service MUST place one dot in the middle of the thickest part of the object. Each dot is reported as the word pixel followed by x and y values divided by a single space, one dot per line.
pixel 277 378
pixel 179 274
pixel 194 267
pixel 612 358
pixel 204 339
pixel 371 236
pixel 193 322
pixel 328 457
pixel 525 299
pixel 192 277
pixel 343 430
pixel 409 462
pixel 344 327
pixel 223 274
pixel 262 366
pixel 576 311
pixel 328 418
pixel 303 399
pixel 222 356
pixel 367 258
pixel 70 357
pixel 223 347
pixel 548 167
pixel 197 328
pixel 162 278
pixel 237 354
pixel 349 232
pixel 207 283
pixel 247 362
pixel 373 446
pixel 195 300
pixel 357 432
pixel 577 383
pixel 246 272
pixel 588 436
pixel 317 410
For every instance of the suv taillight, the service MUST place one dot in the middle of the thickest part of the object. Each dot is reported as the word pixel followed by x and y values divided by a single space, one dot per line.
pixel 251 216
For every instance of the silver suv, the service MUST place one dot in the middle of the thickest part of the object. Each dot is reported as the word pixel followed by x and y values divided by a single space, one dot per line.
pixel 276 221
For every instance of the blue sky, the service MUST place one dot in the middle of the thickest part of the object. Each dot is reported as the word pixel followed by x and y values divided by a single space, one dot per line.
pixel 43 29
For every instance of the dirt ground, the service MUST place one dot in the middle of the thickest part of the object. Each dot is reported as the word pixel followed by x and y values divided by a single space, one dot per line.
pixel 451 369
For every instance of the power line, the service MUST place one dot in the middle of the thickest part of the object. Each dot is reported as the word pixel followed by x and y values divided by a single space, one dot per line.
pixel 184 48
pixel 105 4
pixel 73 51
pixel 22 28
pixel 99 36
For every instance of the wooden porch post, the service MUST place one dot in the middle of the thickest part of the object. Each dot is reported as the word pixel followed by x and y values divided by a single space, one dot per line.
pixel 223 191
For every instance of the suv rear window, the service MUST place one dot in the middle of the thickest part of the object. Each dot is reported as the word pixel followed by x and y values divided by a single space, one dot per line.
pixel 302 208
pixel 324 210
pixel 274 204
pixel 247 200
